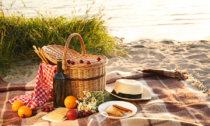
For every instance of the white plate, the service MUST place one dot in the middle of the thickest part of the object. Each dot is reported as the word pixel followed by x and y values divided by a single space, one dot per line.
pixel 50 119
pixel 128 105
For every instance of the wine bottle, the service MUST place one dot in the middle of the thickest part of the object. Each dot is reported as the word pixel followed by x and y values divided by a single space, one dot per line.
pixel 59 86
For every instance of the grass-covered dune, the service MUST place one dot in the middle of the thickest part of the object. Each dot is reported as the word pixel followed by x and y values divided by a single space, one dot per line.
pixel 18 34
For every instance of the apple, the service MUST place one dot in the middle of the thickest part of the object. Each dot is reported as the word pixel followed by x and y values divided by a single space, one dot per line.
pixel 72 114
pixel 43 109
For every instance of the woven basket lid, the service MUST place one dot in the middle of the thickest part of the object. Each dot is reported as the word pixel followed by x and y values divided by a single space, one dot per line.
pixel 91 58
pixel 53 52
pixel 83 56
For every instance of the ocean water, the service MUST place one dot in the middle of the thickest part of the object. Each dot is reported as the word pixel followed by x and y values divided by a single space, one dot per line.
pixel 182 20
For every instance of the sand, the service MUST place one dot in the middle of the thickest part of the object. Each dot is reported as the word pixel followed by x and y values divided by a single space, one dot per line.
pixel 193 57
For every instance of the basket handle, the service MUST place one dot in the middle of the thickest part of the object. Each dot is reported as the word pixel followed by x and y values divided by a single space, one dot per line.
pixel 64 63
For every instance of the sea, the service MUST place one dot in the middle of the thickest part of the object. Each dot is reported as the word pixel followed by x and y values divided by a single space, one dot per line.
pixel 131 20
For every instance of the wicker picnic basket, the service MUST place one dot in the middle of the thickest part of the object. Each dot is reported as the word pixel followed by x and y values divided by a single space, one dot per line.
pixel 79 76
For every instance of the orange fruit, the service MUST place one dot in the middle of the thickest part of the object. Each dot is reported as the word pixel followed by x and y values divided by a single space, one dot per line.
pixel 16 105
pixel 24 110
pixel 70 102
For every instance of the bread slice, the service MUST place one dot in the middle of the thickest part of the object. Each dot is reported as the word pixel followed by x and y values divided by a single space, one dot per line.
pixel 114 115
pixel 112 111
pixel 122 109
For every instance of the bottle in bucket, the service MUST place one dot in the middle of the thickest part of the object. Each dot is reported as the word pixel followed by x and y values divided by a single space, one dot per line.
pixel 59 86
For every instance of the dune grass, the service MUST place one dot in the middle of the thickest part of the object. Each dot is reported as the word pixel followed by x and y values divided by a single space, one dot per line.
pixel 18 34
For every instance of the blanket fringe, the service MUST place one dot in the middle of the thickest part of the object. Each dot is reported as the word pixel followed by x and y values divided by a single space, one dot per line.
pixel 198 84
pixel 183 75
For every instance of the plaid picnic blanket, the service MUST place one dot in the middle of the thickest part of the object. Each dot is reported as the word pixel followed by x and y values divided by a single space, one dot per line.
pixel 175 102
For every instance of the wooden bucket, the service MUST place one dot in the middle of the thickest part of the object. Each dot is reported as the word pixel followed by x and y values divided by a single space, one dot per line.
pixel 82 76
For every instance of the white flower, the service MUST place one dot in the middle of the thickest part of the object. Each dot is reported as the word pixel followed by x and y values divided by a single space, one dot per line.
pixel 77 101
pixel 88 94
pixel 85 106
pixel 86 109
pixel 90 105
pixel 93 99
pixel 84 102
pixel 93 111
pixel 94 104
pixel 82 108
pixel 84 92
pixel 79 106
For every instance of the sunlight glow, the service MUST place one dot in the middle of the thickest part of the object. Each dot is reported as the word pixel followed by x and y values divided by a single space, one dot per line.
pixel 134 19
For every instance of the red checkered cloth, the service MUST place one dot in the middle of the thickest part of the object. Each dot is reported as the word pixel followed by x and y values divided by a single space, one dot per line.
pixel 44 84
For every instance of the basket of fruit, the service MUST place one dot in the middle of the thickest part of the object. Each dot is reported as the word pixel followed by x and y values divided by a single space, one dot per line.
pixel 81 71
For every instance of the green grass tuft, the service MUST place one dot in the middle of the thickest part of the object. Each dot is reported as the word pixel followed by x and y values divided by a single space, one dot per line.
pixel 18 34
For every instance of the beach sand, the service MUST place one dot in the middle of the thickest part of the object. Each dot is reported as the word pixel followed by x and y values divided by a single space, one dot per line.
pixel 193 57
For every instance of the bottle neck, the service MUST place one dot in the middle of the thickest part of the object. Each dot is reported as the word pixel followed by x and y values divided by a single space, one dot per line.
pixel 59 66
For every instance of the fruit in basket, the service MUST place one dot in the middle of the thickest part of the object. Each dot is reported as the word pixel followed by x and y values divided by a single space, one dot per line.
pixel 72 114
pixel 81 61
pixel 88 62
pixel 70 102
pixel 51 108
pixel 16 105
pixel 24 110
pixel 72 62
pixel 22 116
pixel 98 58
pixel 69 61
